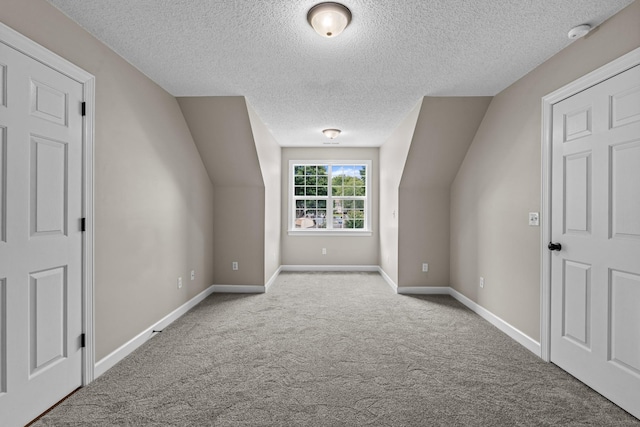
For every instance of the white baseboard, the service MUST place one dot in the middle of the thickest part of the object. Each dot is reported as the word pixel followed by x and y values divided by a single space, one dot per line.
pixel 329 268
pixel 239 289
pixel 117 355
pixel 107 362
pixel 388 279
pixel 424 290
pixel 273 279
pixel 517 335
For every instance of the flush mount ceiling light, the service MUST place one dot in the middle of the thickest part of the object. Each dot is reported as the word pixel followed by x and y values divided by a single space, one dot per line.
pixel 331 133
pixel 579 31
pixel 329 19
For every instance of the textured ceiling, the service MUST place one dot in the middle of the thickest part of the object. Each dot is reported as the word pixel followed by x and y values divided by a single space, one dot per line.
pixel 364 81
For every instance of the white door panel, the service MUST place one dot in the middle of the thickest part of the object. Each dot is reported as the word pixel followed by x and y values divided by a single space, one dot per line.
pixel 595 277
pixel 41 245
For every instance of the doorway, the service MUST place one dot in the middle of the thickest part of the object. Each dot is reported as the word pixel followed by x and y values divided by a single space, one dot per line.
pixel 46 228
pixel 591 242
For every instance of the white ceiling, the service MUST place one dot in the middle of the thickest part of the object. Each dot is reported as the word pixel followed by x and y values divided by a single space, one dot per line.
pixel 364 81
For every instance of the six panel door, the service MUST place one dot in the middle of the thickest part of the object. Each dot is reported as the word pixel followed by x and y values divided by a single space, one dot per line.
pixel 40 236
pixel 595 284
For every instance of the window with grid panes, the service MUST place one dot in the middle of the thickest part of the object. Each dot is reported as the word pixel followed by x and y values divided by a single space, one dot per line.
pixel 329 196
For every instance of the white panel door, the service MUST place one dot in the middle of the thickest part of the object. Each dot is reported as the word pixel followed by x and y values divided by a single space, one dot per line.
pixel 40 237
pixel 595 274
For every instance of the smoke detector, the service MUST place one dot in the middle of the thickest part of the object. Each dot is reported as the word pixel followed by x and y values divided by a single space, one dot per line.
pixel 579 31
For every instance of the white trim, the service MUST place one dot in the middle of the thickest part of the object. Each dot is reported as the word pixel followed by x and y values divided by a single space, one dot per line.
pixel 424 290
pixel 335 232
pixel 17 41
pixel 273 279
pixel 238 289
pixel 605 72
pixel 366 231
pixel 517 335
pixel 130 346
pixel 89 234
pixel 52 60
pixel 329 268
pixel 388 279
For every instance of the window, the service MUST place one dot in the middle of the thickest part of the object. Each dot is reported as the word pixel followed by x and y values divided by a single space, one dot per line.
pixel 329 196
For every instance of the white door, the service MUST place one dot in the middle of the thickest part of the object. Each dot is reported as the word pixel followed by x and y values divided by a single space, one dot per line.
pixel 40 237
pixel 595 275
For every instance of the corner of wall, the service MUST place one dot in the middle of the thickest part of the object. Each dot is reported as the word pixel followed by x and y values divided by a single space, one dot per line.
pixel 270 158
pixel 444 130
pixel 221 128
pixel 393 156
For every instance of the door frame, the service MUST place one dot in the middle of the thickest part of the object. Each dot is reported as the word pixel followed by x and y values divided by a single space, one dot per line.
pixel 603 73
pixel 26 46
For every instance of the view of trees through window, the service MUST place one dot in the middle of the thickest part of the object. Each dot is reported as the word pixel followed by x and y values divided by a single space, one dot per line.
pixel 330 196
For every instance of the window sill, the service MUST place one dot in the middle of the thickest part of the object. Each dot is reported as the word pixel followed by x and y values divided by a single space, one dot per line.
pixel 323 233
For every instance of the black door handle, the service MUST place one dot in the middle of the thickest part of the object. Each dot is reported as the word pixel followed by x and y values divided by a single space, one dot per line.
pixel 554 246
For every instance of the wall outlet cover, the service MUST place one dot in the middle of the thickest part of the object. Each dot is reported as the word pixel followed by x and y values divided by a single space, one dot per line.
pixel 534 219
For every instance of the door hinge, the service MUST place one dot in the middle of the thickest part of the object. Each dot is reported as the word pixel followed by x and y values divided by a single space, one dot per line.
pixel 83 339
pixel 83 224
pixel 84 109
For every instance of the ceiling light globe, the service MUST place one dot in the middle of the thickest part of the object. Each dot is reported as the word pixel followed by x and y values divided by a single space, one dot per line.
pixel 331 133
pixel 329 19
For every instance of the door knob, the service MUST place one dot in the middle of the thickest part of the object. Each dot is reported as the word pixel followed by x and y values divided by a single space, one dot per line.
pixel 554 246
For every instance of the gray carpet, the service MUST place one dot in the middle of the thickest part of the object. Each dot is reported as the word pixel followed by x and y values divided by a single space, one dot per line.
pixel 334 349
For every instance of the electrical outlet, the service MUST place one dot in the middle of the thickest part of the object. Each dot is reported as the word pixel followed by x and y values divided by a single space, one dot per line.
pixel 324 251
pixel 234 265
pixel 179 282
pixel 482 282
pixel 425 267
pixel 193 275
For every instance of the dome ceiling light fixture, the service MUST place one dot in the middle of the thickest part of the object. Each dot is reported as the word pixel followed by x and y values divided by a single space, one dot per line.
pixel 329 19
pixel 331 133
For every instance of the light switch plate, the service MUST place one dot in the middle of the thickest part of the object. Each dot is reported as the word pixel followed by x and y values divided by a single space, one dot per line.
pixel 534 219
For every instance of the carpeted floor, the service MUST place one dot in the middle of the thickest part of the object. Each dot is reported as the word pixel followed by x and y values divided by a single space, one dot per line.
pixel 334 349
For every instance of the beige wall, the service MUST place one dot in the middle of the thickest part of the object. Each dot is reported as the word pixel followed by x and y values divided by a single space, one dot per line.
pixel 444 130
pixel 270 156
pixel 499 180
pixel 341 250
pixel 221 129
pixel 393 155
pixel 423 236
pixel 238 231
pixel 153 198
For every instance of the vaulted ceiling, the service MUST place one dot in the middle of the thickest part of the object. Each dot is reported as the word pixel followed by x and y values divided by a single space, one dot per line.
pixel 364 81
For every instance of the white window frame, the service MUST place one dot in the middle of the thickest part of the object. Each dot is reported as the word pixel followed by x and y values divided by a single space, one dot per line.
pixel 366 231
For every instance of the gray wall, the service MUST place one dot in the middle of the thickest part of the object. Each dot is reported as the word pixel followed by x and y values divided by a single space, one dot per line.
pixel 270 156
pixel 341 250
pixel 444 130
pixel 153 198
pixel 393 155
pixel 499 180
pixel 222 130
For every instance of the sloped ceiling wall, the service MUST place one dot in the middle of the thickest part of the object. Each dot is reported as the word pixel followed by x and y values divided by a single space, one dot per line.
pixel 270 156
pixel 221 129
pixel 443 133
pixel 393 156
pixel 444 130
